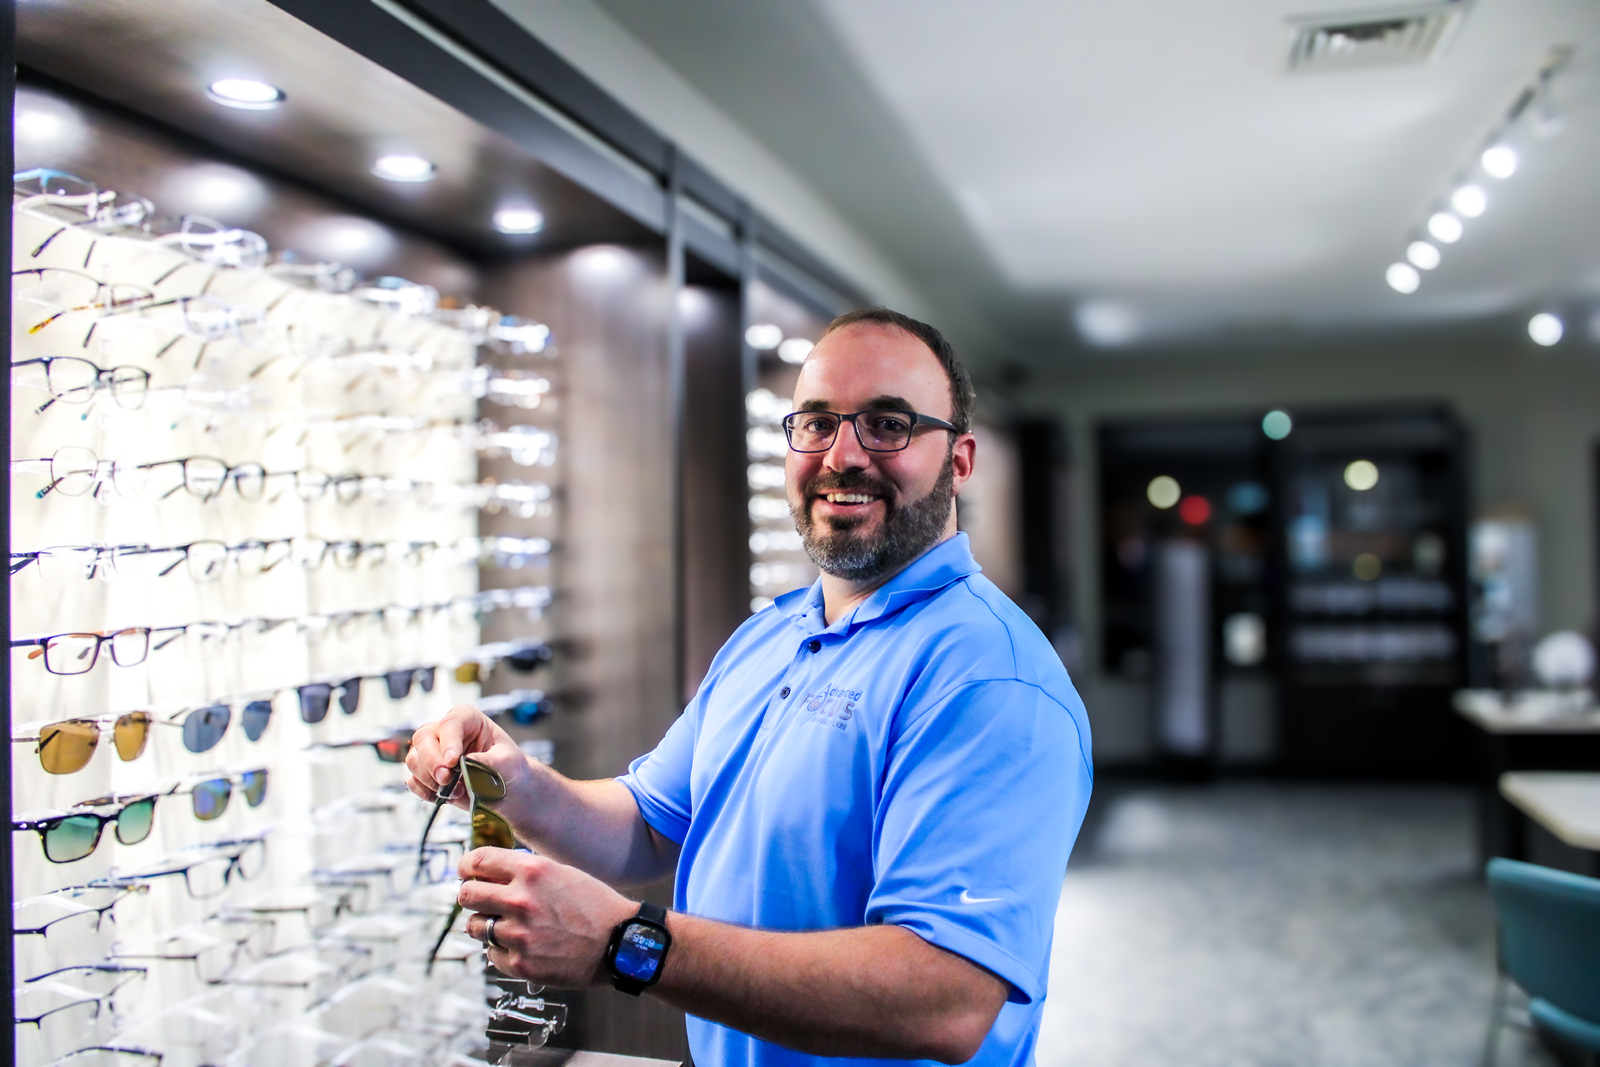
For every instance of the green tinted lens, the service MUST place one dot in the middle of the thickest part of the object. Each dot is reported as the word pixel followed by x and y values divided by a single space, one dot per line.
pixel 254 787
pixel 71 839
pixel 211 798
pixel 135 820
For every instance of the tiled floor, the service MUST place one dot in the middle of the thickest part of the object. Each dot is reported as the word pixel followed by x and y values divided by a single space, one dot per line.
pixel 1266 924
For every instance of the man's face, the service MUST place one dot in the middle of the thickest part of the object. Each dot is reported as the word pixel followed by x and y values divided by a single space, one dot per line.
pixel 861 514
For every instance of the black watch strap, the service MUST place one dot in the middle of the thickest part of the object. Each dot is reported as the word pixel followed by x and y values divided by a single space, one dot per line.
pixel 655 915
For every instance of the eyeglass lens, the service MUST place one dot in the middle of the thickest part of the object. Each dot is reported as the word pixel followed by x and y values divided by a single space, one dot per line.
pixel 879 431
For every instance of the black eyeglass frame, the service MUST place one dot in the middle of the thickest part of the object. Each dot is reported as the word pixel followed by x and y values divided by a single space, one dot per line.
pixel 913 419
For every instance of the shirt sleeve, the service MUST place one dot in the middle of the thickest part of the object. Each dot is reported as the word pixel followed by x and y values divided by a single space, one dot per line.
pixel 659 780
pixel 982 798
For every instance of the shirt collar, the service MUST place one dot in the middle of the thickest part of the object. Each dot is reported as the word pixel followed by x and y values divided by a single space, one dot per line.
pixel 948 561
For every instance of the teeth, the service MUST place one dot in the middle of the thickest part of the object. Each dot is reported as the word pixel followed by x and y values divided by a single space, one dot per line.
pixel 849 498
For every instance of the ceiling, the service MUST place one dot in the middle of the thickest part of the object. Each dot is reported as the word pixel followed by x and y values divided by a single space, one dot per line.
pixel 1059 176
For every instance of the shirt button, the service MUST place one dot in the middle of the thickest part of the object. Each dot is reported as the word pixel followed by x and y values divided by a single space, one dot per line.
pixel 815 646
pixel 783 692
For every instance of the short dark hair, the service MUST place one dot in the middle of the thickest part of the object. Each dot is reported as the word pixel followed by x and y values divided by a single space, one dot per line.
pixel 963 401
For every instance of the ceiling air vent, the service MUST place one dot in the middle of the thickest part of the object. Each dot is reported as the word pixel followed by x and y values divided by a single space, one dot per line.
pixel 1350 41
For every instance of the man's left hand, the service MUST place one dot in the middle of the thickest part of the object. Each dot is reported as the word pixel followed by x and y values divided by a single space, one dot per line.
pixel 553 921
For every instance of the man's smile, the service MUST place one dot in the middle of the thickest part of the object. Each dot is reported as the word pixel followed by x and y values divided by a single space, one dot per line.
pixel 849 498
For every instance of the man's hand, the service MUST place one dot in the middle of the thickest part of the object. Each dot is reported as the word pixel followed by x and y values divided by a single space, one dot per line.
pixel 437 747
pixel 868 991
pixel 553 921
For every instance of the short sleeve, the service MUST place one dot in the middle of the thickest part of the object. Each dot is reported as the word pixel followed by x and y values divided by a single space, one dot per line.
pixel 659 780
pixel 982 798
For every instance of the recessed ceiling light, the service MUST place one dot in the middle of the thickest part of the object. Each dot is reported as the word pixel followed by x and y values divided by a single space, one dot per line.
pixel 245 93
pixel 1402 277
pixel 518 220
pixel 1469 200
pixel 403 168
pixel 1500 161
pixel 1445 227
pixel 1545 329
pixel 1423 255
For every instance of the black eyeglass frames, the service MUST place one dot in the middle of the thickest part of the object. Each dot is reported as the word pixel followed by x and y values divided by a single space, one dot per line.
pixel 878 430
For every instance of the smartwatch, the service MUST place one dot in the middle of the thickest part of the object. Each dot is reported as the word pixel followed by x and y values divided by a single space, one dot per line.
pixel 638 950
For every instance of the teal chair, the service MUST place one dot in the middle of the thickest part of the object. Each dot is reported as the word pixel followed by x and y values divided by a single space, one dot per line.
pixel 1549 938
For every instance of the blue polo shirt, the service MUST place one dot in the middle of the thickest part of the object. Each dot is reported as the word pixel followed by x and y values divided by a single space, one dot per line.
pixel 924 762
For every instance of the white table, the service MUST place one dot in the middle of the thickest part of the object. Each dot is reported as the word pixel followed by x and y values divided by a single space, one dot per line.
pixel 1565 803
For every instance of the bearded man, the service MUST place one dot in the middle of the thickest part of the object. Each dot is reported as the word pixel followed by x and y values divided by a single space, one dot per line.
pixel 870 802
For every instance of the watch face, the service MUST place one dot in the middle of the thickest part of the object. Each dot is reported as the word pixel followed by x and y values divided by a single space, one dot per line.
pixel 639 953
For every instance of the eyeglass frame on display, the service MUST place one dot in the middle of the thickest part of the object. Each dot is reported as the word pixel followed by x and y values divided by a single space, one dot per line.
pixel 105 380
pixel 218 848
pixel 102 473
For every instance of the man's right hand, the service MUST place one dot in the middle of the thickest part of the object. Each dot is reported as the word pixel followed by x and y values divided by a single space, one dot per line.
pixel 437 748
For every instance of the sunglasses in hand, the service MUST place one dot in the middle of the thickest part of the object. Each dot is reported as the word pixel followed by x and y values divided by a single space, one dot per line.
pixel 484 786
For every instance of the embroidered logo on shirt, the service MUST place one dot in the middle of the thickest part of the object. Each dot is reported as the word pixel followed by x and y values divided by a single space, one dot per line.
pixel 968 898
pixel 831 706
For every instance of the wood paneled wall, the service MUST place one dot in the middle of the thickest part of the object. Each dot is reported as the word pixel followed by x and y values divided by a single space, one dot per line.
pixel 716 517
pixel 607 308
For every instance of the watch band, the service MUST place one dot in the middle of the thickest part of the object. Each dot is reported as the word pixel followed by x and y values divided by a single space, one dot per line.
pixel 655 915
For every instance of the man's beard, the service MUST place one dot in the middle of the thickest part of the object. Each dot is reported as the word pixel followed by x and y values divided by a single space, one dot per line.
pixel 908 530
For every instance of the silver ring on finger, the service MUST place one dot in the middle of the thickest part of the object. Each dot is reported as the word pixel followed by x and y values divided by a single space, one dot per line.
pixel 488 932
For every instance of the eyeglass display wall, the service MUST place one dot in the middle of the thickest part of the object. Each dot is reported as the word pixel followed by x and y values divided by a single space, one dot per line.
pixel 510 501
pixel 780 334
pixel 245 528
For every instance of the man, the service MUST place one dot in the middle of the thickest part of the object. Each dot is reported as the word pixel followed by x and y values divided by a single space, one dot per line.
pixel 870 802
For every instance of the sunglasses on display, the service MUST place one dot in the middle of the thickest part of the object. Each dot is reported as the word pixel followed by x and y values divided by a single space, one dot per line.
pixel 209 795
pixel 484 786
pixel 526 706
pixel 392 749
pixel 71 836
pixel 74 380
pixel 66 747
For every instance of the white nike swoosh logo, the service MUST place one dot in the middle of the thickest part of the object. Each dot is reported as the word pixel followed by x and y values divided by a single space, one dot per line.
pixel 968 898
